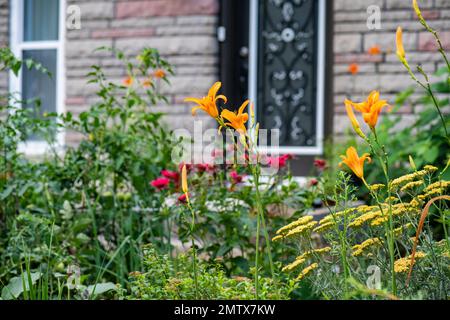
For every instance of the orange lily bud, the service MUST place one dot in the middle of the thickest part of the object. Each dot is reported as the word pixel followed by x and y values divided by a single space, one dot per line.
pixel 400 50
pixel 353 120
pixel 184 183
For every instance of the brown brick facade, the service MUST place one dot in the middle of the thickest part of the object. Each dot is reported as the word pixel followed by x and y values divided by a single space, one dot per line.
pixel 353 39
pixel 185 33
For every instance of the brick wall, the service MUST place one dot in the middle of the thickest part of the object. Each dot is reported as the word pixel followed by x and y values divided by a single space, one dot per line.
pixel 183 30
pixel 383 72
pixel 4 21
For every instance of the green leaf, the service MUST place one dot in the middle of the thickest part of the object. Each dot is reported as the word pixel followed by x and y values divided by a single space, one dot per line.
pixel 16 287
pixel 431 154
pixel 100 288
pixel 6 192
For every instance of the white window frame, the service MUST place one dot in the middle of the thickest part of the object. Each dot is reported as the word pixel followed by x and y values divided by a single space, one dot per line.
pixel 320 94
pixel 17 46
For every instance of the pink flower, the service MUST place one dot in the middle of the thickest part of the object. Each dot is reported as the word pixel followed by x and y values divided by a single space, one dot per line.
pixel 236 177
pixel 172 175
pixel 320 164
pixel 280 161
pixel 313 182
pixel 160 183
pixel 288 156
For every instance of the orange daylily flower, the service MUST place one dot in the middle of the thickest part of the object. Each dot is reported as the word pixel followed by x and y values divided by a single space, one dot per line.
pixel 128 81
pixel 399 40
pixel 373 51
pixel 209 103
pixel 160 73
pixel 370 108
pixel 354 162
pixel 353 68
pixel 237 120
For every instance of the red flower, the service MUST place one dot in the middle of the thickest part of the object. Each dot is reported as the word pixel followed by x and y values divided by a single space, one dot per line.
pixel 320 164
pixel 160 183
pixel 182 199
pixel 172 175
pixel 188 166
pixel 313 182
pixel 201 167
pixel 236 177
pixel 210 168
pixel 288 156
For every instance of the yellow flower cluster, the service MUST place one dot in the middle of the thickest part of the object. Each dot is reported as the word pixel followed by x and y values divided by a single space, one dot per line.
pixel 411 185
pixel 399 231
pixel 292 225
pixel 333 216
pixel 293 265
pixel 396 183
pixel 359 221
pixel 295 228
pixel 302 258
pixel 307 270
pixel 324 227
pixel 397 210
pixel 436 188
pixel 301 229
pixel 430 168
pixel 402 265
pixel 376 187
pixel 359 249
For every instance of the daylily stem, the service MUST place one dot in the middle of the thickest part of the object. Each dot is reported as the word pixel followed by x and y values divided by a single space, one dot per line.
pixel 384 158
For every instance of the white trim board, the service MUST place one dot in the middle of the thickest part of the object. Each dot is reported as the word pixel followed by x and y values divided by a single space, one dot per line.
pixel 320 94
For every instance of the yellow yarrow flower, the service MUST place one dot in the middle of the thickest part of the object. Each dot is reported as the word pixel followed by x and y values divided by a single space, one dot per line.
pixel 292 225
pixel 307 270
pixel 300 230
pixel 376 187
pixel 430 168
pixel 396 183
pixel 411 185
pixel 360 248
pixel 402 265
pixel 324 226
pixel 359 221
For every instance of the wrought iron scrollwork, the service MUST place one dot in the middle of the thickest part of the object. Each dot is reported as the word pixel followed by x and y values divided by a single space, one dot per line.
pixel 287 69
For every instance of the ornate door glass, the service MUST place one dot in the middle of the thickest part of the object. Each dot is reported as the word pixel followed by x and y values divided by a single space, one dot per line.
pixel 287 80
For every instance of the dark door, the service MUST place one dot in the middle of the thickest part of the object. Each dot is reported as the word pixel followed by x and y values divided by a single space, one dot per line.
pixel 288 43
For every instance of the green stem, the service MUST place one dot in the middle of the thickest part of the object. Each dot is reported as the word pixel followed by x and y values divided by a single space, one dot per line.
pixel 436 104
pixel 194 250
pixel 258 227
pixel 390 227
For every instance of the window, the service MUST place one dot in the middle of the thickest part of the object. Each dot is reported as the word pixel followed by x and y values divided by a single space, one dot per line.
pixel 37 32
